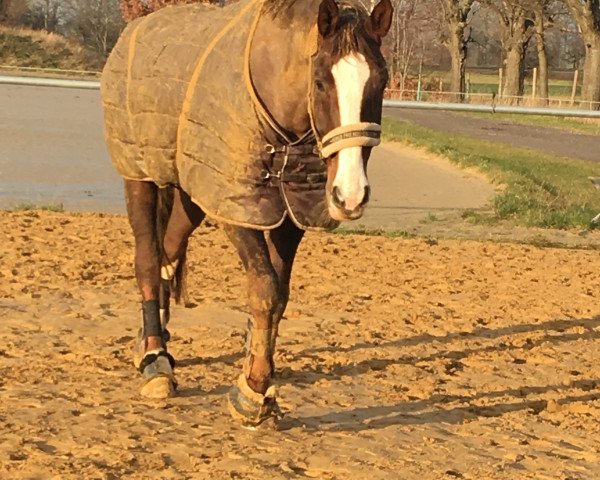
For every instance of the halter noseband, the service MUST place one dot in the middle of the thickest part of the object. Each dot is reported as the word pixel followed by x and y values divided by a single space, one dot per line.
pixel 355 135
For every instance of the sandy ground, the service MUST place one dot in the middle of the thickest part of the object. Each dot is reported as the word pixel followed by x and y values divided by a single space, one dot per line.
pixel 399 358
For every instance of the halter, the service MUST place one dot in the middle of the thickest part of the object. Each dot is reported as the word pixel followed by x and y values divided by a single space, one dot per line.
pixel 362 134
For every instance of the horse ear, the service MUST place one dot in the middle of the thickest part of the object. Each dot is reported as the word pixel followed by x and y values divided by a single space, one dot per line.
pixel 381 18
pixel 328 17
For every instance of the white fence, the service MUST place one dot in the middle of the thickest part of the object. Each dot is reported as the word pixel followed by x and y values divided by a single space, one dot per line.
pixel 389 103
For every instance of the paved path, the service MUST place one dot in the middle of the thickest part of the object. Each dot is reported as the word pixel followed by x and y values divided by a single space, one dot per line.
pixel 52 151
pixel 550 140
pixel 411 186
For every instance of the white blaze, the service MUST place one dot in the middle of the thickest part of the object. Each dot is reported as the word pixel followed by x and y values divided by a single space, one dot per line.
pixel 351 74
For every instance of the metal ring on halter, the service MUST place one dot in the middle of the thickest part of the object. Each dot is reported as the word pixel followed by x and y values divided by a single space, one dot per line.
pixel 356 135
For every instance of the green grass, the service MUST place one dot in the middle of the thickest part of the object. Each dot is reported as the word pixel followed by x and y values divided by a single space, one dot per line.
pixel 554 90
pixel 482 83
pixel 540 190
pixel 28 206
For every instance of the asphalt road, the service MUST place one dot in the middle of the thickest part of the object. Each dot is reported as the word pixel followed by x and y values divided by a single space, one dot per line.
pixel 550 140
pixel 52 150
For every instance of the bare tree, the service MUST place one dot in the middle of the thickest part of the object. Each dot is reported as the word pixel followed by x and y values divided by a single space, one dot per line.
pixel 402 43
pixel 95 23
pixel 413 39
pixel 542 20
pixel 457 16
pixel 45 15
pixel 587 16
pixel 4 8
pixel 517 29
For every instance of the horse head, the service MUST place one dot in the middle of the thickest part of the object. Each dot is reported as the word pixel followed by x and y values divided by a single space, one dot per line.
pixel 348 79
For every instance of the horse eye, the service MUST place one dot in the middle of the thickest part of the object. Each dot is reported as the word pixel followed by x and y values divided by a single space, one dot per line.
pixel 319 85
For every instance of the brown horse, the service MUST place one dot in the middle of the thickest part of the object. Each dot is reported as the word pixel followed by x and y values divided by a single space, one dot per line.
pixel 270 144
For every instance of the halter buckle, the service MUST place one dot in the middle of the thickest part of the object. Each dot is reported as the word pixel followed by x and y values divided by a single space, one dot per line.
pixel 271 149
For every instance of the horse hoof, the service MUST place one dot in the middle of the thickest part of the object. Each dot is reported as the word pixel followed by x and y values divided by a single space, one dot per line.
pixel 158 388
pixel 157 369
pixel 252 409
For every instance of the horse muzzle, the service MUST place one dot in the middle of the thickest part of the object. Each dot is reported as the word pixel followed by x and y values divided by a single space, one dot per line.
pixel 340 209
pixel 348 191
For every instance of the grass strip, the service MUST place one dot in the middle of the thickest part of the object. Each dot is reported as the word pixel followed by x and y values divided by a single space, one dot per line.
pixel 540 190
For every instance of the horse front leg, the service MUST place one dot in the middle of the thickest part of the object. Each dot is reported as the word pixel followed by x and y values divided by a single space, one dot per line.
pixel 253 399
pixel 283 245
pixel 268 263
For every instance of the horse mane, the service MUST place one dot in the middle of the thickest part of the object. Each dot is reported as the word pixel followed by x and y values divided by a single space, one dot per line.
pixel 350 23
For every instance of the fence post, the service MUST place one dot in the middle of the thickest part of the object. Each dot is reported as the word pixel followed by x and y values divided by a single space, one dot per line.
pixel 534 84
pixel 468 87
pixel 500 82
pixel 574 89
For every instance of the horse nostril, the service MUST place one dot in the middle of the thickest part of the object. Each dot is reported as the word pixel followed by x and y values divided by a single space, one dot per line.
pixel 335 196
pixel 366 197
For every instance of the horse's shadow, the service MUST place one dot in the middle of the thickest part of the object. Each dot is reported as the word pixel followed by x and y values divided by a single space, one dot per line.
pixel 316 372
pixel 227 359
pixel 431 410
pixel 411 412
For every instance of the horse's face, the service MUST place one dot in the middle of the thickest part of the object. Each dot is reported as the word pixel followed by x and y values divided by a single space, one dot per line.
pixel 349 76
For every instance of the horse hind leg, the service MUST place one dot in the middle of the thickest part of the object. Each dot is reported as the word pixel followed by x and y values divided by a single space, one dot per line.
pixel 184 217
pixel 150 355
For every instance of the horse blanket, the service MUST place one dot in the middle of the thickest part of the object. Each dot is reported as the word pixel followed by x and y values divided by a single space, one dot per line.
pixel 181 109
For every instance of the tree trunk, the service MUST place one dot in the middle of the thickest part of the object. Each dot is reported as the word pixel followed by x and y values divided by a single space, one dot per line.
pixel 540 43
pixel 4 7
pixel 591 69
pixel 514 74
pixel 458 53
pixel 587 15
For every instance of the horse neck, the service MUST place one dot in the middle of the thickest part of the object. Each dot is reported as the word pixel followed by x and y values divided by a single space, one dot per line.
pixel 279 62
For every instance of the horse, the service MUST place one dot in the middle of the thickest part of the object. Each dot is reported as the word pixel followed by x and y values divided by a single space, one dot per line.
pixel 261 114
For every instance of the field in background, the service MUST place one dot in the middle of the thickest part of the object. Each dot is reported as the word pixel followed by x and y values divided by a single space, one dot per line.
pixel 22 48
pixel 588 126
pixel 482 88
